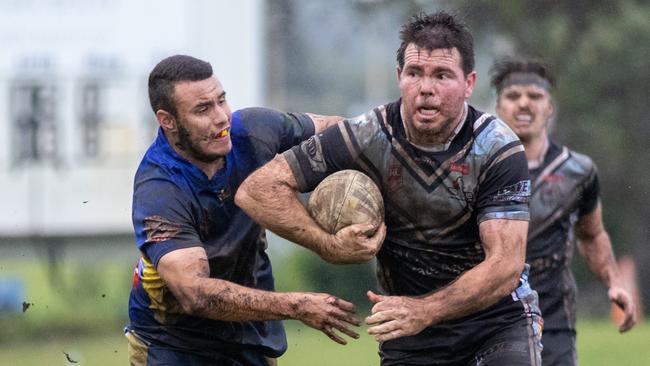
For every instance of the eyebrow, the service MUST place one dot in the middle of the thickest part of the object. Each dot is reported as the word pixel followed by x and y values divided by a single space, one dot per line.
pixel 203 104
pixel 436 69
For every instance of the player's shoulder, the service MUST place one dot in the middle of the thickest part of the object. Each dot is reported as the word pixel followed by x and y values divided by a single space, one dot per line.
pixel 153 176
pixel 159 172
pixel 155 163
pixel 267 123
pixel 378 120
pixel 579 162
pixel 251 113
pixel 247 120
pixel 372 118
pixel 491 133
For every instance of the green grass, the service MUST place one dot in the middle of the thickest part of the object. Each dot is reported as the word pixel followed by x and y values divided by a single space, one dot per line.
pixel 599 344
pixel 78 299
pixel 81 312
pixel 96 350
pixel 310 347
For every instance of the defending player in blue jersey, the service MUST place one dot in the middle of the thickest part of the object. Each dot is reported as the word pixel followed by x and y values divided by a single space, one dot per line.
pixel 456 188
pixel 565 205
pixel 203 289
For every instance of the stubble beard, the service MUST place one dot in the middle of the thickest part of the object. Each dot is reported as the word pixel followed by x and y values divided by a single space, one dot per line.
pixel 193 148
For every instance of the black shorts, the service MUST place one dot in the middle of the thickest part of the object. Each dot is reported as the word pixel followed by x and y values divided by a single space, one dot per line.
pixel 518 344
pixel 559 348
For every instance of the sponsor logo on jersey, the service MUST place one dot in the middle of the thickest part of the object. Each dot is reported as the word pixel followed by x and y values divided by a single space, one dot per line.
pixel 313 149
pixel 554 178
pixel 461 168
pixel 223 194
pixel 519 192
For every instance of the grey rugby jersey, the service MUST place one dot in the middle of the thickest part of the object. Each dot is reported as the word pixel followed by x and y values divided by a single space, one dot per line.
pixel 434 201
pixel 565 187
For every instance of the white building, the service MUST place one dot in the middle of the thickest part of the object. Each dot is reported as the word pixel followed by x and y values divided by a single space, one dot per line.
pixel 74 112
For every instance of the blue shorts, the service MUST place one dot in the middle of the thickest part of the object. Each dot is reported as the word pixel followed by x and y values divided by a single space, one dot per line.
pixel 559 348
pixel 142 353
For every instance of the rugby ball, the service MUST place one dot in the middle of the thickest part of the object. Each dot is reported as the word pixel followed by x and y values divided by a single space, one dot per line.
pixel 344 198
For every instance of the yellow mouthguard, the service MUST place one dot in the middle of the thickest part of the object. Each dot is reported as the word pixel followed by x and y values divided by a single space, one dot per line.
pixel 223 133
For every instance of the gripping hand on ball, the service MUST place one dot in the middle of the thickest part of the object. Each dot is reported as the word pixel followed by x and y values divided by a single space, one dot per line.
pixel 356 243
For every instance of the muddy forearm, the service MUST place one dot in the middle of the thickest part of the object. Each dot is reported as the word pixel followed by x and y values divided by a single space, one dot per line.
pixel 269 196
pixel 223 300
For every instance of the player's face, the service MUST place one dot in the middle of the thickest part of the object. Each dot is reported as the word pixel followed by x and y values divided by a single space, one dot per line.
pixel 203 123
pixel 433 87
pixel 526 108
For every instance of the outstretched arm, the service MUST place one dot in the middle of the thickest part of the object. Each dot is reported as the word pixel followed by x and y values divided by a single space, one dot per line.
pixel 504 242
pixel 269 196
pixel 186 273
pixel 595 246
pixel 322 122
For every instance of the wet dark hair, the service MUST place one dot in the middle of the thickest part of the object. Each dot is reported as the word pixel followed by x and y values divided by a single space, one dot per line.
pixel 437 31
pixel 509 65
pixel 167 73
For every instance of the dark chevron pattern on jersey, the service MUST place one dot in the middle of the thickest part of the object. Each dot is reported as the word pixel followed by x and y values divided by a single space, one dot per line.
pixel 434 203
pixel 434 200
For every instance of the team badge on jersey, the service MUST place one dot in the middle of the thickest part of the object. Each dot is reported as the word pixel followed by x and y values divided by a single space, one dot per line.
pixel 394 180
pixel 551 191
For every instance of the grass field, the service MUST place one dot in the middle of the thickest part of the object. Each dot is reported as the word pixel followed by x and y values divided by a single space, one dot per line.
pixel 598 345
pixel 81 314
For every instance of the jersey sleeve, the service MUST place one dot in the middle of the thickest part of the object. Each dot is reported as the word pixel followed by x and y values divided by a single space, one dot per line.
pixel 336 148
pixel 271 131
pixel 162 219
pixel 590 195
pixel 504 190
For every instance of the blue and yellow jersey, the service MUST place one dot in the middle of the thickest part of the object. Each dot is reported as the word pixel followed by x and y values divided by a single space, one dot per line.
pixel 175 205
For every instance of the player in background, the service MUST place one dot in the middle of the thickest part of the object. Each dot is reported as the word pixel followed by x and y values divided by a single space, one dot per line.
pixel 455 184
pixel 564 206
pixel 203 288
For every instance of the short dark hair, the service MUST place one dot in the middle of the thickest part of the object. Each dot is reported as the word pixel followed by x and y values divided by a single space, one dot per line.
pixel 167 73
pixel 436 31
pixel 510 64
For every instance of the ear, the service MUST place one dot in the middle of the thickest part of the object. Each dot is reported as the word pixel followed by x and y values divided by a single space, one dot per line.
pixel 166 120
pixel 399 73
pixel 470 81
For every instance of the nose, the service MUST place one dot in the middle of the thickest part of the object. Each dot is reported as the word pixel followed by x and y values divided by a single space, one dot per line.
pixel 523 101
pixel 220 115
pixel 427 86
